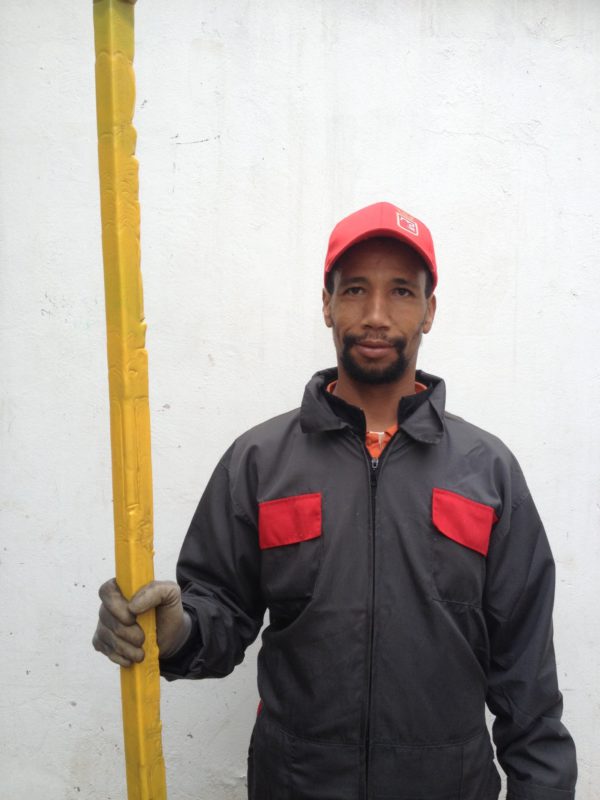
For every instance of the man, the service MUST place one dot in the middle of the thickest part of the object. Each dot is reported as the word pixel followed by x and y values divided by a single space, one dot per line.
pixel 407 574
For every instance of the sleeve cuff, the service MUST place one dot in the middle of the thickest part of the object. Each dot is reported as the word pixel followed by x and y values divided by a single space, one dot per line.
pixel 517 790
pixel 177 664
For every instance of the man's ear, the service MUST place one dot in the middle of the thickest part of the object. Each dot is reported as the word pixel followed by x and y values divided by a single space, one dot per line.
pixel 429 314
pixel 327 308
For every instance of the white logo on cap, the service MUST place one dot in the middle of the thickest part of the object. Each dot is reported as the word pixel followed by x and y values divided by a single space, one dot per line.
pixel 408 225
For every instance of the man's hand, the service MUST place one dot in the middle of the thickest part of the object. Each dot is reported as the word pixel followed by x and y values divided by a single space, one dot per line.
pixel 119 636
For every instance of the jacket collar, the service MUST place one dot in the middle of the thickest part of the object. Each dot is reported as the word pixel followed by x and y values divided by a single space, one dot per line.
pixel 425 424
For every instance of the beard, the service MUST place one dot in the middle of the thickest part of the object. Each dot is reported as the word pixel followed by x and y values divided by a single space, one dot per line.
pixel 374 375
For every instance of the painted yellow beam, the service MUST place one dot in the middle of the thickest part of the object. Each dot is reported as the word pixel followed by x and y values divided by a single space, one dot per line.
pixel 128 382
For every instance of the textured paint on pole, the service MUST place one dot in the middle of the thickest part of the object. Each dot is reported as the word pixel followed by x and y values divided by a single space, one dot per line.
pixel 128 382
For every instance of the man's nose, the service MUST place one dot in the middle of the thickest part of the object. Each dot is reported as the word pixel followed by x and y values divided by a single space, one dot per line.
pixel 376 311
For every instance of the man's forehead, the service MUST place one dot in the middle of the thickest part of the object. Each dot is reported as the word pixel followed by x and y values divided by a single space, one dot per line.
pixel 380 253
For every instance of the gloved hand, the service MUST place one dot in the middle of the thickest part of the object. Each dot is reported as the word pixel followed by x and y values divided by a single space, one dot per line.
pixel 119 636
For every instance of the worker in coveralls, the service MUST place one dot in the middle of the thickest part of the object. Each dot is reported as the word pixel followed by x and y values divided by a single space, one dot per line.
pixel 407 574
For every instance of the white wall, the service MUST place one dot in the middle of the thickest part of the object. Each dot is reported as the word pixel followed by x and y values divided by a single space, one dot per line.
pixel 260 124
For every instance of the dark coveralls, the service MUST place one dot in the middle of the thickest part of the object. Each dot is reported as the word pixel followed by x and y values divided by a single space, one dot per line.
pixel 404 594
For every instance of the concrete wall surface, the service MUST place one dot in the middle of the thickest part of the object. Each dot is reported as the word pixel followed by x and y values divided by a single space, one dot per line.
pixel 259 125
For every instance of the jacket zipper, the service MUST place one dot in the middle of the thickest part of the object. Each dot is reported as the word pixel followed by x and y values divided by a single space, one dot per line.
pixel 373 475
pixel 374 467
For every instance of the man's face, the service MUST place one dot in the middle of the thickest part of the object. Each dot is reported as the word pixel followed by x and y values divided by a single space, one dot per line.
pixel 378 310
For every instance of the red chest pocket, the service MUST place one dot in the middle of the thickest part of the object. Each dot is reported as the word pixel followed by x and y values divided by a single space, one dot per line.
pixel 288 520
pixel 463 520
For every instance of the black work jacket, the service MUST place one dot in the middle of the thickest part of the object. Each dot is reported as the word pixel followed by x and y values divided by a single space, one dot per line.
pixel 404 594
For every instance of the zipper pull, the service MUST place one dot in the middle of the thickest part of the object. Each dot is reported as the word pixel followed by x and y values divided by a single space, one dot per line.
pixel 374 463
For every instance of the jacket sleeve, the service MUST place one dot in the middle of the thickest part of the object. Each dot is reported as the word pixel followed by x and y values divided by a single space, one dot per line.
pixel 533 746
pixel 219 574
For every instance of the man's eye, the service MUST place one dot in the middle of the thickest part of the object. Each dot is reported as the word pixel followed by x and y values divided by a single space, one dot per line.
pixel 402 291
pixel 353 291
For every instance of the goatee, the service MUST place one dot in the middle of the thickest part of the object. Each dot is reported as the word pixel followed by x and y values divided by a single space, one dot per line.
pixel 374 375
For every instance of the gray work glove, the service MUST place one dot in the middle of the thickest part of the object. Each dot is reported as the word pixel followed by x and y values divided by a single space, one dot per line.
pixel 119 636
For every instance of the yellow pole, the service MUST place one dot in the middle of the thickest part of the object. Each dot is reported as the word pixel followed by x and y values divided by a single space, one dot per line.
pixel 128 382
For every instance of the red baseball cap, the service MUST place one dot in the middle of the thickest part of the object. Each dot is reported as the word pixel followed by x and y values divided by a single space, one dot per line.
pixel 381 219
